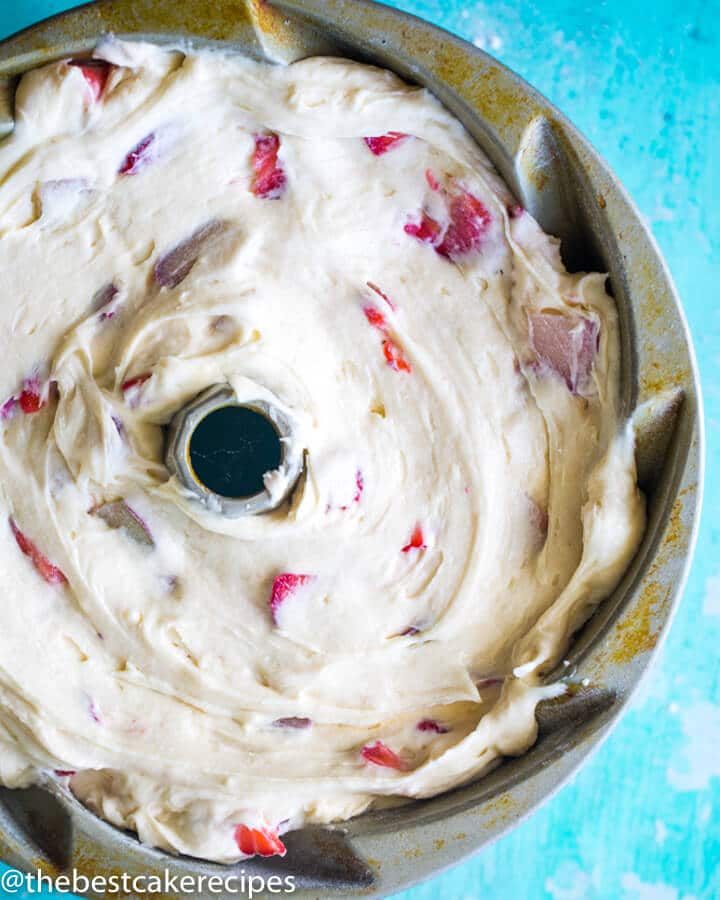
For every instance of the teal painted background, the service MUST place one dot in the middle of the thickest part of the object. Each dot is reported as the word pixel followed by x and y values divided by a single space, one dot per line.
pixel 642 80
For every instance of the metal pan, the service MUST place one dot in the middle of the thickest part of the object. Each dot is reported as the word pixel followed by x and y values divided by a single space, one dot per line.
pixel 570 190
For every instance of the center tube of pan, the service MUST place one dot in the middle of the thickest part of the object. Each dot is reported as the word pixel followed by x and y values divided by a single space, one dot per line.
pixel 232 448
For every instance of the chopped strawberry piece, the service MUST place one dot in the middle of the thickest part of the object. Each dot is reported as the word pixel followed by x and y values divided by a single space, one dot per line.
pixel 119 515
pixel 269 180
pixel 135 382
pixel 395 357
pixel 538 518
pixel 175 265
pixel 32 397
pixel 45 568
pixel 432 181
pixel 95 73
pixel 427 230
pixel 469 220
pixel 102 298
pixel 31 402
pixel 566 345
pixel 139 156
pixel 410 631
pixel 417 541
pixel 514 210
pixel 293 722
pixel 359 488
pixel 432 725
pixel 381 755
pixel 374 287
pixel 382 143
pixel 258 841
pixel 375 318
pixel 283 587
pixel 8 407
pixel 64 773
pixel 488 682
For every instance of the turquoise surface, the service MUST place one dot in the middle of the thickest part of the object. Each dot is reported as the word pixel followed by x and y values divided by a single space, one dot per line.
pixel 642 80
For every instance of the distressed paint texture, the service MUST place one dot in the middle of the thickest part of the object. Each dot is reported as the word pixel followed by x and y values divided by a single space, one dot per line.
pixel 642 81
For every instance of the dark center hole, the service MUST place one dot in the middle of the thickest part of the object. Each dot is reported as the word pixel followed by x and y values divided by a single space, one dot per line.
pixel 232 448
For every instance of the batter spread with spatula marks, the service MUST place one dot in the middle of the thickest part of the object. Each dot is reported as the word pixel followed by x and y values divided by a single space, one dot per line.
pixel 323 237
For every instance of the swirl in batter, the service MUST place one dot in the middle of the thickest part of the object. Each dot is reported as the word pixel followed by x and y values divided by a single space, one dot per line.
pixel 328 238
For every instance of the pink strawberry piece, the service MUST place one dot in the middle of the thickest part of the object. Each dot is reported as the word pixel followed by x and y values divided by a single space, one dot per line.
pixel 432 725
pixel 269 180
pixel 102 298
pixel 514 210
pixel 410 631
pixel 395 357
pixel 174 266
pixel 538 518
pixel 283 587
pixel 95 713
pixel 138 158
pixel 469 220
pixel 95 73
pixel 258 841
pixel 293 722
pixel 566 345
pixel 375 318
pixel 427 230
pixel 8 408
pixel 381 755
pixel 382 143
pixel 64 773
pixel 135 382
pixel 376 289
pixel 359 488
pixel 488 682
pixel 45 568
pixel 417 541
pixel 432 181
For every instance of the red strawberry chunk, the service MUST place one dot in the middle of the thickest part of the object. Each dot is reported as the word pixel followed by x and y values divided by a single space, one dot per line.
pixel 514 210
pixel 375 318
pixel 258 841
pixel 427 230
pixel 138 158
pixel 566 345
pixel 376 289
pixel 395 357
pixel 469 220
pixel 32 397
pixel 45 568
pixel 135 382
pixel 269 180
pixel 382 143
pixel 432 181
pixel 417 541
pixel 432 725
pixel 95 73
pixel 381 755
pixel 283 587
pixel 64 773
